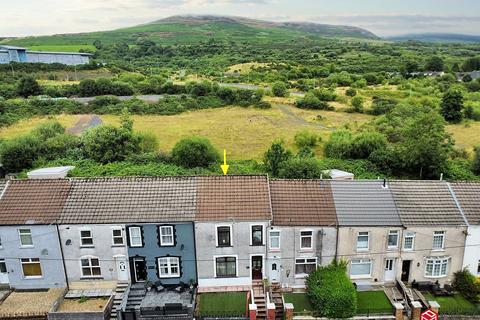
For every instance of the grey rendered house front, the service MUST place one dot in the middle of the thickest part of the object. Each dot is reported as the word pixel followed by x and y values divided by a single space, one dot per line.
pixel 303 233
pixel 231 225
pixel 30 253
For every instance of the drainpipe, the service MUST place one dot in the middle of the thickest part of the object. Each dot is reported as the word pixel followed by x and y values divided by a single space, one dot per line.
pixel 63 257
pixel 336 243
pixel 195 252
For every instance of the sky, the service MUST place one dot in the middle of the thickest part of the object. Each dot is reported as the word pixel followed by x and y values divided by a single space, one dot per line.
pixel 383 17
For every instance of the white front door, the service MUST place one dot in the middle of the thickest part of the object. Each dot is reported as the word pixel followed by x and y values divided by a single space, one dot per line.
pixel 274 270
pixel 3 272
pixel 122 271
pixel 389 270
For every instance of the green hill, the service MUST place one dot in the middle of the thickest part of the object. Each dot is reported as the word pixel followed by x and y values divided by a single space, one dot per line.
pixel 191 29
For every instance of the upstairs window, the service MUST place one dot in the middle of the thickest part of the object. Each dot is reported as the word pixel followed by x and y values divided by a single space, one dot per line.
pixel 257 235
pixel 169 267
pixel 25 237
pixel 274 240
pixel 363 241
pixel 224 236
pixel 409 241
pixel 135 234
pixel 306 239
pixel 31 267
pixel 393 239
pixel 438 240
pixel 117 236
pixel 166 236
pixel 86 238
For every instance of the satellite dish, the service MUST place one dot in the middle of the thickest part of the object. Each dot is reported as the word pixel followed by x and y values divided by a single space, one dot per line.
pixel 68 242
pixel 44 252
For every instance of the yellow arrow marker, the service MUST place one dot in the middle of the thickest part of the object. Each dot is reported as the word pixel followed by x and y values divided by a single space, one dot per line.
pixel 225 166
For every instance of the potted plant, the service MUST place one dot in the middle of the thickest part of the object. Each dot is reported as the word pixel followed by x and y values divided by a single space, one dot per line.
pixel 148 285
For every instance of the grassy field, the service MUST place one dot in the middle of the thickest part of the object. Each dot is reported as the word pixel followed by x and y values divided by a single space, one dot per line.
pixel 300 301
pixel 223 304
pixel 467 135
pixel 246 133
pixel 452 305
pixel 373 302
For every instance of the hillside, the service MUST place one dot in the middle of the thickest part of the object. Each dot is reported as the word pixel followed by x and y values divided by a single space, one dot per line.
pixel 438 37
pixel 191 29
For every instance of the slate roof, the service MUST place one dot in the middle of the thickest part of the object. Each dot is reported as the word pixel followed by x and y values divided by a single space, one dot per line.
pixel 468 195
pixel 364 203
pixel 302 203
pixel 33 201
pixel 238 198
pixel 130 199
pixel 425 203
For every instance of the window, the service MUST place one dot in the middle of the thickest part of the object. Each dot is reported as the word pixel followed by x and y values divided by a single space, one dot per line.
pixel 306 239
pixel 361 267
pixel 90 267
pixel 305 266
pixel 169 267
pixel 392 239
pixel 86 238
pixel 436 267
pixel 0 242
pixel 224 234
pixel 438 240
pixel 135 236
pixel 117 236
pixel 226 267
pixel 166 236
pixel 31 268
pixel 478 267
pixel 274 240
pixel 257 235
pixel 25 237
pixel 3 266
pixel 362 241
pixel 408 241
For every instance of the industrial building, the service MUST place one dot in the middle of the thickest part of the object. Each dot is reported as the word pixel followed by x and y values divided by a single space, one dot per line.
pixel 19 54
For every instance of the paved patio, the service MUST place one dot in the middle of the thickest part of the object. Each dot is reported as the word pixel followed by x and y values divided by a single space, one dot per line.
pixel 155 299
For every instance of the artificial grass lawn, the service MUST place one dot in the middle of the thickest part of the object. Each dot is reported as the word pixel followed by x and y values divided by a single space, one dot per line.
pixel 454 304
pixel 300 301
pixel 223 304
pixel 373 302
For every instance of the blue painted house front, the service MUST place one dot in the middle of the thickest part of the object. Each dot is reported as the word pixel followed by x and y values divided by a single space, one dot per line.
pixel 162 252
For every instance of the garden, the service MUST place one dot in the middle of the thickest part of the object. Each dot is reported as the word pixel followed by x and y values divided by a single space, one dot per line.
pixel 225 304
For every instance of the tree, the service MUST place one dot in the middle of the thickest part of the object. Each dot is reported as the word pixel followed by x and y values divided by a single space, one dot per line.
pixel 339 145
pixel 19 153
pixel 476 161
pixel 279 89
pixel 357 104
pixel 28 86
pixel 452 106
pixel 471 64
pixel 300 168
pixel 275 156
pixel 108 144
pixel 435 63
pixel 195 152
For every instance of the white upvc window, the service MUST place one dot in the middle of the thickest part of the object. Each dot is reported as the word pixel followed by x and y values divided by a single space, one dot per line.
pixel 31 268
pixel 305 266
pixel 90 267
pixel 135 235
pixel 361 268
pixel 363 241
pixel 409 241
pixel 25 237
pixel 393 239
pixel 86 238
pixel 436 267
pixel 169 267
pixel 306 239
pixel 274 240
pixel 438 240
pixel 166 236
pixel 224 235
pixel 117 236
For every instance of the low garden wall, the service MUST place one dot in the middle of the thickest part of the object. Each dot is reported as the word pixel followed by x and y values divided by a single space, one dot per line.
pixel 83 315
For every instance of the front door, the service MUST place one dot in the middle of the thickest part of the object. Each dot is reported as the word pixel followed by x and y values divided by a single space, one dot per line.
pixel 406 270
pixel 274 271
pixel 139 270
pixel 257 266
pixel 122 273
pixel 389 270
pixel 3 272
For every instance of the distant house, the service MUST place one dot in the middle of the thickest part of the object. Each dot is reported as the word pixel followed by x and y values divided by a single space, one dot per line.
pixel 233 216
pixel 473 74
pixel 30 253
pixel 434 230
pixel 19 54
pixel 468 196
pixel 433 74
pixel 303 233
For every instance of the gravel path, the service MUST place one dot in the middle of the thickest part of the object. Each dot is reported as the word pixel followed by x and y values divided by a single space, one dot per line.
pixel 86 122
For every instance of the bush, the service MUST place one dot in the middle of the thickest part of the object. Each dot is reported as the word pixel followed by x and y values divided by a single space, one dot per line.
pixel 262 105
pixel 382 106
pixel 357 104
pixel 324 94
pixel 195 152
pixel 300 168
pixel 306 138
pixel 350 92
pixel 366 143
pixel 311 101
pixel 331 292
pixel 19 153
pixel 28 86
pixel 279 89
pixel 476 161
pixel 465 283
pixel 339 145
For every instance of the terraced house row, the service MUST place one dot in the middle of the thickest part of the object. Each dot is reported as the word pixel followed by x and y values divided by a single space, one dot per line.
pixel 223 233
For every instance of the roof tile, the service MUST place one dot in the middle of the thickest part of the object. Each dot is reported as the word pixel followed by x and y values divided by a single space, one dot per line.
pixel 468 195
